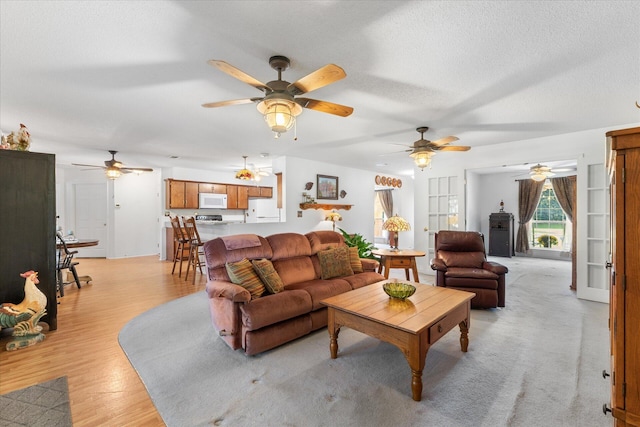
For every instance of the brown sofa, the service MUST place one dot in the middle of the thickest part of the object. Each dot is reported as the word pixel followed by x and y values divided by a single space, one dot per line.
pixel 260 324
pixel 461 263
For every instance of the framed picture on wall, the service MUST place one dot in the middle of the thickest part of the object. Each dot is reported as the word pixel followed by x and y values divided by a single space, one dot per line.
pixel 327 187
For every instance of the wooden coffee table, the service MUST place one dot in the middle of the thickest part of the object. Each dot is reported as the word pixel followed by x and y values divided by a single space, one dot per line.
pixel 412 325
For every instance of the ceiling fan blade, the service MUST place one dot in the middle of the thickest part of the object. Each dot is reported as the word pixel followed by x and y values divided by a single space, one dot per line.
pixel 324 76
pixel 130 169
pixel 445 140
pixel 454 148
pixel 231 102
pixel 88 166
pixel 325 107
pixel 238 74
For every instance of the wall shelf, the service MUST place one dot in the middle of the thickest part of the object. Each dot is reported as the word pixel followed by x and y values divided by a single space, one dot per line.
pixel 325 206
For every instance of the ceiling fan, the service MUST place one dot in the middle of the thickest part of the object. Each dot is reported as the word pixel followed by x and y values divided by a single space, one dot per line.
pixel 114 168
pixel 423 150
pixel 281 104
pixel 541 172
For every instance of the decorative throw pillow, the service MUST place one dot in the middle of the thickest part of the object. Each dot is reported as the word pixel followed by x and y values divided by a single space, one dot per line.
pixel 335 263
pixel 268 274
pixel 242 273
pixel 354 258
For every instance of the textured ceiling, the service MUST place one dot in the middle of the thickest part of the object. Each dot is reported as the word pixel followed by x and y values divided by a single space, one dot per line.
pixel 86 77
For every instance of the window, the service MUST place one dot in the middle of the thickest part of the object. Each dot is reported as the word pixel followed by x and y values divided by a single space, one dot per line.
pixel 379 218
pixel 550 228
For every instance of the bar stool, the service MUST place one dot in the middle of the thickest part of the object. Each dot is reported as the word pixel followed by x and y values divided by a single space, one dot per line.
pixel 195 247
pixel 181 242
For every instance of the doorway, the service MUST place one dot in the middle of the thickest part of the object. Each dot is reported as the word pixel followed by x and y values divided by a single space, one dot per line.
pixel 90 219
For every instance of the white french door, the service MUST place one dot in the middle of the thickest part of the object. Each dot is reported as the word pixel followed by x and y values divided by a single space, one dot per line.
pixel 593 230
pixel 443 207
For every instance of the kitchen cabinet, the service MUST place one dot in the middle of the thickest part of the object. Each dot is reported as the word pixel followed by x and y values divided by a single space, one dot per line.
pixel 28 196
pixel 208 187
pixel 243 196
pixel 623 165
pixel 260 192
pixel 232 197
pixel 182 194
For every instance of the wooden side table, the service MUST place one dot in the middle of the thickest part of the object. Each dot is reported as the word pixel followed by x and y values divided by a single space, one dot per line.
pixel 403 258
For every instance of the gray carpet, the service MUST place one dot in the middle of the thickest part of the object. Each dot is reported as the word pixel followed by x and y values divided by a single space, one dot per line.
pixel 41 405
pixel 537 362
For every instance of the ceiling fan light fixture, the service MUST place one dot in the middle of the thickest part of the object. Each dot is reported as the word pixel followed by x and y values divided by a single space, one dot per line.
pixel 244 173
pixel 422 158
pixel 113 172
pixel 279 114
pixel 538 177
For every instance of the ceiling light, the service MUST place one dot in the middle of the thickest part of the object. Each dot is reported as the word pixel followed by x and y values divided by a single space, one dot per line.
pixel 113 172
pixel 540 172
pixel 244 173
pixel 422 158
pixel 279 113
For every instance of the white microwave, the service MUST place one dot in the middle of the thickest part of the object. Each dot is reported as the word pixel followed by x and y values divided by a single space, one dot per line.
pixel 213 201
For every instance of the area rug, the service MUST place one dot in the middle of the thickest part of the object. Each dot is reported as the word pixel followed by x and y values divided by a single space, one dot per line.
pixel 41 405
pixel 535 362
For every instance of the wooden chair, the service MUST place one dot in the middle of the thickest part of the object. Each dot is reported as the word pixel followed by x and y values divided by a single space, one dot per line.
pixel 181 243
pixel 195 247
pixel 65 262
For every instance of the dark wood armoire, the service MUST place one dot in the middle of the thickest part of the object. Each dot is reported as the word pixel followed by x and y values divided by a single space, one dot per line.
pixel 28 226
pixel 501 234
pixel 624 279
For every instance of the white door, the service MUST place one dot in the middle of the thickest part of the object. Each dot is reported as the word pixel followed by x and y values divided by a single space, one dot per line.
pixel 443 207
pixel 91 218
pixel 593 230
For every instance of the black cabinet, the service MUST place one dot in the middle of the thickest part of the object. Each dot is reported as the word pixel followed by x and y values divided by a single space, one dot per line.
pixel 501 234
pixel 28 226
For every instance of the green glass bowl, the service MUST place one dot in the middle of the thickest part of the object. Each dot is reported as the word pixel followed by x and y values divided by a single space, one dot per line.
pixel 398 289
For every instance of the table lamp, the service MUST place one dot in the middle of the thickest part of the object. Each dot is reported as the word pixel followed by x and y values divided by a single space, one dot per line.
pixel 333 217
pixel 396 224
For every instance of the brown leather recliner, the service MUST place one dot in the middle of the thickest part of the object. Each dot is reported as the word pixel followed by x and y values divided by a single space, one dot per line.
pixel 461 263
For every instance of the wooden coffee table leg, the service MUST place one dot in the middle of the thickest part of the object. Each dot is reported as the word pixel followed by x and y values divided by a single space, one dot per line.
pixel 464 335
pixel 416 355
pixel 334 330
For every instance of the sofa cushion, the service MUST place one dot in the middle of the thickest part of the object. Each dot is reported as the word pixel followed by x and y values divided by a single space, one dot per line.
pixel 268 275
pixel 354 258
pixel 335 263
pixel 462 259
pixel 320 289
pixel 288 245
pixel 272 309
pixel 242 273
pixel 322 240
pixel 471 278
pixel 216 256
pixel 363 279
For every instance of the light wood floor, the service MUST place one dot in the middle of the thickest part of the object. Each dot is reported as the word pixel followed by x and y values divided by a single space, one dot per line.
pixel 104 389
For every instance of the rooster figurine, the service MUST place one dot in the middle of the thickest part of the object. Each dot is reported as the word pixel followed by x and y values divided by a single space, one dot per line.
pixel 24 317
pixel 20 141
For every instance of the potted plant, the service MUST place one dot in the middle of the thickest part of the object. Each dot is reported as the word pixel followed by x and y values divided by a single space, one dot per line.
pixel 357 240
